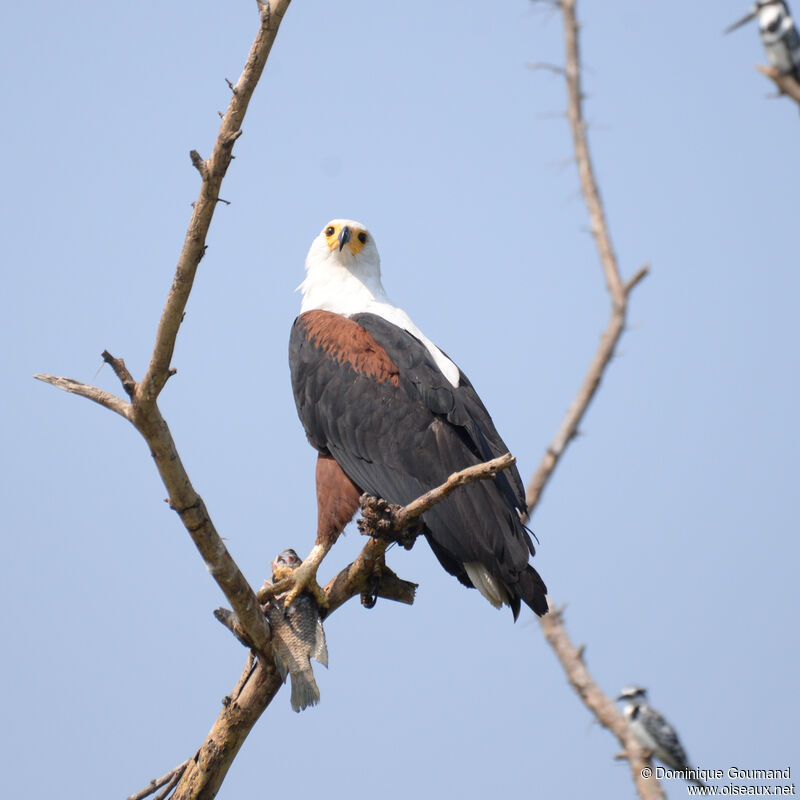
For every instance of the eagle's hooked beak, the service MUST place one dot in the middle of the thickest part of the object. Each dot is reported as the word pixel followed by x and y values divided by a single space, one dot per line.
pixel 344 237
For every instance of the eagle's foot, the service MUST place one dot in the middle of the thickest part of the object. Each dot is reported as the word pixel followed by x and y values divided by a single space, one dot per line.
pixel 379 519
pixel 290 580
pixel 302 579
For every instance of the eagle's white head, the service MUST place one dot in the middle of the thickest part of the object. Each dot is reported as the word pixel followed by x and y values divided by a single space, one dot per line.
pixel 343 275
pixel 343 269
pixel 346 243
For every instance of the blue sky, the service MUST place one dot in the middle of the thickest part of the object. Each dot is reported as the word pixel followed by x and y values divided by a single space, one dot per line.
pixel 670 529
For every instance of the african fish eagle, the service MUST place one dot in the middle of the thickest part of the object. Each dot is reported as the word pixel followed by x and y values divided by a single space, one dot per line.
pixel 391 415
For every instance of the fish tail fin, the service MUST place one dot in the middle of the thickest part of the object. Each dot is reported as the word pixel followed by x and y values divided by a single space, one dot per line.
pixel 305 691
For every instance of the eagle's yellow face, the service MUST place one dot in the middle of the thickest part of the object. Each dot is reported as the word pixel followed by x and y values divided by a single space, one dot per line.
pixel 339 235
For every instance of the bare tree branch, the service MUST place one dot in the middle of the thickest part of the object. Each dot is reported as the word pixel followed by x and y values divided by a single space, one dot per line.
pixel 106 399
pixel 212 171
pixel 787 84
pixel 157 783
pixel 122 373
pixel 598 703
pixel 415 509
pixel 571 658
pixel 555 68
pixel 142 411
pixel 210 764
pixel 368 576
pixel 619 291
pixel 170 785
pixel 193 513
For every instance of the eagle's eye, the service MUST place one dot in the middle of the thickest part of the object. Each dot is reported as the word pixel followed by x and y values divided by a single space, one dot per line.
pixel 329 231
pixel 362 237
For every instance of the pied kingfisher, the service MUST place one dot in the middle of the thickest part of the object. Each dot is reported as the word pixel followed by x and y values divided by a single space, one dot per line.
pixel 778 35
pixel 653 732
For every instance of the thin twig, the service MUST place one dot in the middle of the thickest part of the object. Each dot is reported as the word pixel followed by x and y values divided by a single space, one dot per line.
pixel 121 371
pixel 167 790
pixel 488 469
pixel 105 399
pixel 229 619
pixel 618 290
pixel 544 65
pixel 577 122
pixel 637 276
pixel 787 84
pixel 198 162
pixel 157 783
pixel 216 166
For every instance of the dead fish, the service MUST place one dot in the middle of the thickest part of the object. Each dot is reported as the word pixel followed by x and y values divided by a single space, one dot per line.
pixel 297 636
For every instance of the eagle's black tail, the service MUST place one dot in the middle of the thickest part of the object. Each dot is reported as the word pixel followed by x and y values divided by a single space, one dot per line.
pixel 532 591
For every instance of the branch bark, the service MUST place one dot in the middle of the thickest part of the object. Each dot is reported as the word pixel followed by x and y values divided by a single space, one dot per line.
pixel 103 398
pixel 166 782
pixel 570 657
pixel 142 410
pixel 259 683
pixel 198 780
pixel 212 172
pixel 479 472
pixel 787 84
pixel 619 290
pixel 603 708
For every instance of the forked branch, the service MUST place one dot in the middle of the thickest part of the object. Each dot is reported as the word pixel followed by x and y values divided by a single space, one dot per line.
pixel 571 658
pixel 618 289
pixel 368 575
pixel 93 393
pixel 165 783
pixel 142 410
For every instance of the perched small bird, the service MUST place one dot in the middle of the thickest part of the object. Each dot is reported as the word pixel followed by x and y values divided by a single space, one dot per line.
pixel 778 35
pixel 653 732
pixel 392 416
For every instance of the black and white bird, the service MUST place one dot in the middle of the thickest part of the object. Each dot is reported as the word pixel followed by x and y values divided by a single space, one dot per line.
pixel 653 732
pixel 778 35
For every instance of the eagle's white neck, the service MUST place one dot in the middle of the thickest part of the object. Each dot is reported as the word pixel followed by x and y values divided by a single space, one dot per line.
pixel 356 288
pixel 330 286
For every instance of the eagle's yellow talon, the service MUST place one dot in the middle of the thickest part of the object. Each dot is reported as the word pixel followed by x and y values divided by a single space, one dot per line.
pixel 304 579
